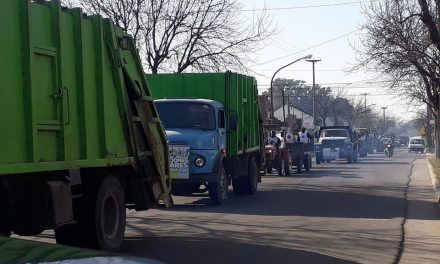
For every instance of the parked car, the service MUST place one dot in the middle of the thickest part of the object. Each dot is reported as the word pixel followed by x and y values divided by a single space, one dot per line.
pixel 416 144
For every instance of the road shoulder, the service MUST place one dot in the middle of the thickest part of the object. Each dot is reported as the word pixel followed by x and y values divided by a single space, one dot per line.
pixel 422 229
pixel 434 178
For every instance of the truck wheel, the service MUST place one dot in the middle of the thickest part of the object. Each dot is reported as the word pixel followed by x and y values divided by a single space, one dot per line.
pixel 269 168
pixel 349 160
pixel 299 165
pixel 306 164
pixel 280 168
pixel 218 191
pixel 247 184
pixel 287 168
pixel 101 220
pixel 355 158
pixel 318 160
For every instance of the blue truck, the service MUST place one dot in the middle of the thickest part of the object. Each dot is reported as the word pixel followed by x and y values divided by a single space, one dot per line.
pixel 214 130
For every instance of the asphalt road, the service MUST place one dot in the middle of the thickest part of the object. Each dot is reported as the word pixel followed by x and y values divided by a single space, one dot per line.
pixel 380 210
pixel 337 213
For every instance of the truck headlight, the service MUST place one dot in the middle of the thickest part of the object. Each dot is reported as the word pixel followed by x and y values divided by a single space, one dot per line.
pixel 199 162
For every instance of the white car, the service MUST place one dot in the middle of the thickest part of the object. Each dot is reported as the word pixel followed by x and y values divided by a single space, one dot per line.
pixel 416 144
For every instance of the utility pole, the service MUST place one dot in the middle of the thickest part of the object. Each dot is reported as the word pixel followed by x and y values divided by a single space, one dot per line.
pixel 284 107
pixel 365 100
pixel 384 120
pixel 314 88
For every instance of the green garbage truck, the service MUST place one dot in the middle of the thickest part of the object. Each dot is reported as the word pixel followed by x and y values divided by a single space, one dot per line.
pixel 80 138
pixel 214 128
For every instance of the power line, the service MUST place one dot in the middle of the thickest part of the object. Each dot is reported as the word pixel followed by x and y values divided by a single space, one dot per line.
pixel 302 70
pixel 306 49
pixel 309 6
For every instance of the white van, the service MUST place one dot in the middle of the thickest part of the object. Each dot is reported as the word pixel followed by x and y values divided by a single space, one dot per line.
pixel 416 144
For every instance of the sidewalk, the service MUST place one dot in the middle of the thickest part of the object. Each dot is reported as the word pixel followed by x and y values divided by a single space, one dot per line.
pixel 422 229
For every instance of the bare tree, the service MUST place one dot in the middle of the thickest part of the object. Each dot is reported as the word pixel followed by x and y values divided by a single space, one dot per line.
pixel 326 101
pixel 402 40
pixel 128 14
pixel 353 111
pixel 188 35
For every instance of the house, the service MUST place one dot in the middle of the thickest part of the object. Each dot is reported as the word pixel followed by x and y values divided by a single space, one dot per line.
pixel 295 113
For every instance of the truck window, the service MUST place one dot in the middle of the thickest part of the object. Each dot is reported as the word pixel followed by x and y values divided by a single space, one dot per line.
pixel 334 133
pixel 221 119
pixel 417 141
pixel 187 115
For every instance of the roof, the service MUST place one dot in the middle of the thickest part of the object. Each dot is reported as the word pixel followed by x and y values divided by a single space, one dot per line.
pixel 296 108
pixel 191 100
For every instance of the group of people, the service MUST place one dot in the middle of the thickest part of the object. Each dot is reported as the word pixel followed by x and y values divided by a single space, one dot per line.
pixel 303 137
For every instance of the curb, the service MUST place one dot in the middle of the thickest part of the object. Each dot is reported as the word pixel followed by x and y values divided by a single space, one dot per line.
pixel 435 181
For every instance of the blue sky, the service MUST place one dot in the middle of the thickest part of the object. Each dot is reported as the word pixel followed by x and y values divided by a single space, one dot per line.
pixel 301 28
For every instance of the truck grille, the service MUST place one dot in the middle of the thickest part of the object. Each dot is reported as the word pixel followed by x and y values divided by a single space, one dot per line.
pixel 332 143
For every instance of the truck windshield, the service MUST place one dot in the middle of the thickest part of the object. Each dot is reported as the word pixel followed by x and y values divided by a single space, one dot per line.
pixel 417 141
pixel 334 133
pixel 187 115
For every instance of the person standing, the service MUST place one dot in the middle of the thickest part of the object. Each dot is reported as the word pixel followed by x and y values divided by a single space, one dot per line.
pixel 273 140
pixel 304 136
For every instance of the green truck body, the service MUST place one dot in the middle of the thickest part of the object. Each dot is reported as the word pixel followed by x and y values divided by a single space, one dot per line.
pixel 77 118
pixel 238 93
pixel 233 96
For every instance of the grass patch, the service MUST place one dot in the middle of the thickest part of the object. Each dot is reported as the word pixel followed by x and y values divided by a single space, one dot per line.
pixel 435 163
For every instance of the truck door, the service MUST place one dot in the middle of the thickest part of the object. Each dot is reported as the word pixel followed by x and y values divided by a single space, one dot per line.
pixel 48 100
pixel 221 142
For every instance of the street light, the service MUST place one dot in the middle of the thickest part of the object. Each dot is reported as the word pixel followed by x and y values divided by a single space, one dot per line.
pixel 384 121
pixel 271 84
pixel 365 102
pixel 314 91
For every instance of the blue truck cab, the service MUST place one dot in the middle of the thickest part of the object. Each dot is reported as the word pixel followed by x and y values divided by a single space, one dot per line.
pixel 336 142
pixel 196 132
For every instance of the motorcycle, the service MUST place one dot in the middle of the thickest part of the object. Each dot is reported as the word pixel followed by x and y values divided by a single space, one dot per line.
pixel 389 150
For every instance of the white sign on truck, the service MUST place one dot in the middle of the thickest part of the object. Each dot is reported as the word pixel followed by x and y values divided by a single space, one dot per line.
pixel 179 161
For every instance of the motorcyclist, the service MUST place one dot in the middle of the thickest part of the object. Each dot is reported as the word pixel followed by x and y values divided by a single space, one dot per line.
pixel 273 140
pixel 304 136
pixel 390 142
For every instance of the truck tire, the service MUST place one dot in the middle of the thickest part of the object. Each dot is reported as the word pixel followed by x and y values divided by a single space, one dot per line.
pixel 299 164
pixel 355 158
pixel 306 164
pixel 318 160
pixel 218 191
pixel 349 160
pixel 287 169
pixel 101 223
pixel 269 167
pixel 280 168
pixel 247 184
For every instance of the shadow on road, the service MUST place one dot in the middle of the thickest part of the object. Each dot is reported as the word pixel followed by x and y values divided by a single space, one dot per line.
pixel 315 201
pixel 181 250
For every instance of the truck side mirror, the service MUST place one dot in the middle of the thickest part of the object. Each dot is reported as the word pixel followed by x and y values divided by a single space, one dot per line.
pixel 233 121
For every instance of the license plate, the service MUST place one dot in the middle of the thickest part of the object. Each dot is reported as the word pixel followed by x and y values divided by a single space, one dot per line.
pixel 331 153
pixel 179 161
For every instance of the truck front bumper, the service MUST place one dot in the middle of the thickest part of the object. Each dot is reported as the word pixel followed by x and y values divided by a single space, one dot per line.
pixel 343 153
pixel 197 178
pixel 192 185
